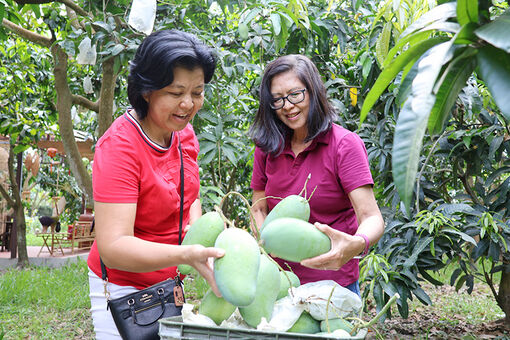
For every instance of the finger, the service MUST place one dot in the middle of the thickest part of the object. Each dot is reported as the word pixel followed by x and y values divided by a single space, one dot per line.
pixel 316 262
pixel 324 228
pixel 186 228
pixel 214 252
pixel 212 282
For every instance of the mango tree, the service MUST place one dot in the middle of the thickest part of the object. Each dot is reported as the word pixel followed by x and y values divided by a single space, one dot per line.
pixel 449 73
pixel 60 27
pixel 25 114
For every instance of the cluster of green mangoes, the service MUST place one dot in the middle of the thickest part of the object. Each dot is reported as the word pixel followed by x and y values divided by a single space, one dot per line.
pixel 287 234
pixel 247 278
pixel 307 324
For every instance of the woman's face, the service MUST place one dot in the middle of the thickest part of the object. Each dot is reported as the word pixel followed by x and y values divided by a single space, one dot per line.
pixel 173 106
pixel 294 116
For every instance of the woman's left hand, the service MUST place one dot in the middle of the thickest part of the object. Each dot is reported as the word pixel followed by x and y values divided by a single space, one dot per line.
pixel 343 248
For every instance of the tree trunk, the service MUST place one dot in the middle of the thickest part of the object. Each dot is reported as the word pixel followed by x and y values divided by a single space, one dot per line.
pixel 105 116
pixel 19 209
pixel 21 234
pixel 503 298
pixel 65 121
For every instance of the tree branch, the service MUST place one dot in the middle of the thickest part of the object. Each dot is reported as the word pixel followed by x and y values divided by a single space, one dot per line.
pixel 72 5
pixel 27 34
pixel 82 101
pixel 32 2
pixel 469 190
pixel 5 195
pixel 68 3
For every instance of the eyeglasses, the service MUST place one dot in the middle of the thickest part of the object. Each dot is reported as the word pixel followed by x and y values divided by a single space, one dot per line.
pixel 295 97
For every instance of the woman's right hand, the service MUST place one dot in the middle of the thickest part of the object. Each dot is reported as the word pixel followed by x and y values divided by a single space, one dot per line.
pixel 202 259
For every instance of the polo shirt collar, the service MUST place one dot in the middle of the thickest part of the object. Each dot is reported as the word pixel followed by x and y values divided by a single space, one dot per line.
pixel 321 138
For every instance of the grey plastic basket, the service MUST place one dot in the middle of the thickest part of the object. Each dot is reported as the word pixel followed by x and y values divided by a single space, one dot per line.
pixel 173 328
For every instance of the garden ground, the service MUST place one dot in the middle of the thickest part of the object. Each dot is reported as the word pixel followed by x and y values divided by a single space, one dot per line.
pixel 453 315
pixel 37 303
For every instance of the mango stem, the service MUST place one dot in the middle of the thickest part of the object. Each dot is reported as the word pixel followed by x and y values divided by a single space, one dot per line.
pixel 304 186
pixel 253 227
pixel 327 309
pixel 378 316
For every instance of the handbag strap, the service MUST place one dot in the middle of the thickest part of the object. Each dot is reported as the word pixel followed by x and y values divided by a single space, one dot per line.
pixel 104 275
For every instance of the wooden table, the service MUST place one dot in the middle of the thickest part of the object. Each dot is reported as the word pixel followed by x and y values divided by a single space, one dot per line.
pixel 52 241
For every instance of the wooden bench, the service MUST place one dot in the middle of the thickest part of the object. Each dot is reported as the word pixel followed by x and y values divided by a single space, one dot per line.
pixel 81 237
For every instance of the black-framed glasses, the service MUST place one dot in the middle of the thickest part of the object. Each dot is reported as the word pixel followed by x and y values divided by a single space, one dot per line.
pixel 295 97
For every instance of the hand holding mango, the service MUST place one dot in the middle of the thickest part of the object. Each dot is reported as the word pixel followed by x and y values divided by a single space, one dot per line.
pixel 343 248
pixel 201 258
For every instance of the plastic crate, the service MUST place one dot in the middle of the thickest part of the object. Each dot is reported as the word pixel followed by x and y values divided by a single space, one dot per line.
pixel 173 328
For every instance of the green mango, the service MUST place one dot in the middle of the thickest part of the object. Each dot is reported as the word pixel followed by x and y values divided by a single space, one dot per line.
pixel 291 206
pixel 293 239
pixel 285 284
pixel 236 272
pixel 337 323
pixel 203 231
pixel 216 308
pixel 268 286
pixel 305 324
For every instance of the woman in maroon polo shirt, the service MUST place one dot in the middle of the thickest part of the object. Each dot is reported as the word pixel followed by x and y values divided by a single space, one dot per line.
pixel 295 135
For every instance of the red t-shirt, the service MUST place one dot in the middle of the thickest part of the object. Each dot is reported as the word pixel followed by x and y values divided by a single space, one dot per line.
pixel 338 163
pixel 129 168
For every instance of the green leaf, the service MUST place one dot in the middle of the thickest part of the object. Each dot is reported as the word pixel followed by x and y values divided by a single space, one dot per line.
pixel 462 235
pixel 496 32
pixel 494 69
pixel 20 148
pixel 420 246
pixel 437 14
pixel 404 91
pixel 467 11
pixel 230 155
pixel 407 144
pixel 413 118
pixel 243 31
pixel 251 15
pixel 276 21
pixel 422 296
pixel 466 34
pixel 117 49
pixel 460 282
pixel 451 83
pixel 389 73
pixel 419 36
pixel 429 277
pixel 383 42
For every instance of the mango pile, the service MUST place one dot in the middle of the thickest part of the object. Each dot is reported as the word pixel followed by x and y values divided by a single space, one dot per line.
pixel 248 279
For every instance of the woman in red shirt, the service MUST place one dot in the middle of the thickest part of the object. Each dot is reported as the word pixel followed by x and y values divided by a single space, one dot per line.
pixel 136 175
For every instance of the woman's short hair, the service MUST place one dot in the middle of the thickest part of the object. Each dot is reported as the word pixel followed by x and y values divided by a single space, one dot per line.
pixel 153 65
pixel 268 131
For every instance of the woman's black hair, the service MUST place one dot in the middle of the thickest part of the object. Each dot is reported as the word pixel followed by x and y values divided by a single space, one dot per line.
pixel 153 65
pixel 268 131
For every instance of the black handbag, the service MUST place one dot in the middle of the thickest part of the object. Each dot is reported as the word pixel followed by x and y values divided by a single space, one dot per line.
pixel 136 315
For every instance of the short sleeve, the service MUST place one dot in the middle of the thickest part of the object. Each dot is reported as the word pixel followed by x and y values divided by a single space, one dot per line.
pixel 353 168
pixel 189 142
pixel 259 177
pixel 115 172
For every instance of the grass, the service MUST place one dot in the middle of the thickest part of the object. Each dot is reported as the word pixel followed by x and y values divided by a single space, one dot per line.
pixel 53 303
pixel 45 303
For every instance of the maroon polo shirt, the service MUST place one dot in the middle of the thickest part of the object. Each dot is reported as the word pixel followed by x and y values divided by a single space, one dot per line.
pixel 338 163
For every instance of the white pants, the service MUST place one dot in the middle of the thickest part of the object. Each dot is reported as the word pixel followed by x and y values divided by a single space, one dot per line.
pixel 104 326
